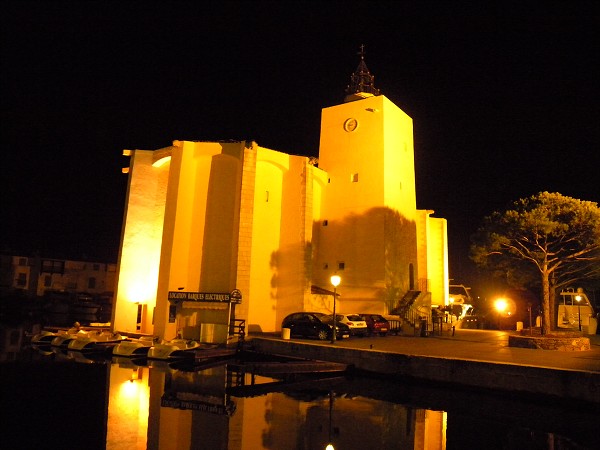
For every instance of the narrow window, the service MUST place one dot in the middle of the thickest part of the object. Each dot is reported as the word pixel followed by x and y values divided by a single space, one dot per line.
pixel 21 279
pixel 325 223
pixel 325 266
pixel 341 265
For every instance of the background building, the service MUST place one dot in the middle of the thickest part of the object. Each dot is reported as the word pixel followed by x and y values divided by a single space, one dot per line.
pixel 203 219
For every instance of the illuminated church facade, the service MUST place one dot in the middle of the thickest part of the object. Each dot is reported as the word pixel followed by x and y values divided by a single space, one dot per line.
pixel 220 230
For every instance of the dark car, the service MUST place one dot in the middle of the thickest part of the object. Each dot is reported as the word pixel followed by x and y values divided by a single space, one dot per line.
pixel 376 324
pixel 312 324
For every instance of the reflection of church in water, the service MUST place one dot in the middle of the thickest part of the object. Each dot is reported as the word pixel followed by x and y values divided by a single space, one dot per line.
pixel 206 218
pixel 163 408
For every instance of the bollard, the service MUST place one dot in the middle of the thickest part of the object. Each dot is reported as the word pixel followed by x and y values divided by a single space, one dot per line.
pixel 593 326
pixel 423 327
pixel 285 333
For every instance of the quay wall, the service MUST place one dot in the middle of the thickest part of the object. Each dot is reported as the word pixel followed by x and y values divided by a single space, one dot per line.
pixel 567 384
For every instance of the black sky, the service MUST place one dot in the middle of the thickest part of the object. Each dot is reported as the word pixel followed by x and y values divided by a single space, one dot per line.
pixel 504 98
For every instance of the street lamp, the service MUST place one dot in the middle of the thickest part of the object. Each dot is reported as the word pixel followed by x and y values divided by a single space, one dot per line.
pixel 335 281
pixel 578 299
pixel 501 305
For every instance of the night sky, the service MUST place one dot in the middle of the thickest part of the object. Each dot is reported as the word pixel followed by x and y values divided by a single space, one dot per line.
pixel 504 98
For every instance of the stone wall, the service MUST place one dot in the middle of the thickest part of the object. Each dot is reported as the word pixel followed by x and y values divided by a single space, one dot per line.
pixel 565 342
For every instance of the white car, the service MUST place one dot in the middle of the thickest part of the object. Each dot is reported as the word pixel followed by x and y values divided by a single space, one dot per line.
pixel 357 325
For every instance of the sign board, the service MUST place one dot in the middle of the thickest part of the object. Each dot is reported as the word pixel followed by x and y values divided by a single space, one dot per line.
pixel 199 296
pixel 196 405
pixel 236 296
pixel 220 297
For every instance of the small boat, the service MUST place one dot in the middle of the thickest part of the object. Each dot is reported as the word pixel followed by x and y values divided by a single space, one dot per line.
pixel 135 347
pixel 95 340
pixel 176 348
pixel 574 310
pixel 64 337
pixel 44 337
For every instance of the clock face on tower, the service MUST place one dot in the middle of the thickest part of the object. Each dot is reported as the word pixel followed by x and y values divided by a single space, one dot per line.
pixel 350 124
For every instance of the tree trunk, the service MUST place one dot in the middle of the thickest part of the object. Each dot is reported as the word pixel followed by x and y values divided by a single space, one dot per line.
pixel 546 314
pixel 552 307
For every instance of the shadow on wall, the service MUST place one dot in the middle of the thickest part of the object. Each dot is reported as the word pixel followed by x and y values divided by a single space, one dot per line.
pixel 379 251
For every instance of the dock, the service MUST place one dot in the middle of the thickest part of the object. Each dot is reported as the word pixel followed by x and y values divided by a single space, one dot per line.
pixel 480 359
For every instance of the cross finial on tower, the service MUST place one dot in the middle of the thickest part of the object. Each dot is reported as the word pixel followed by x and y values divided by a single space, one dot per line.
pixel 362 52
pixel 361 81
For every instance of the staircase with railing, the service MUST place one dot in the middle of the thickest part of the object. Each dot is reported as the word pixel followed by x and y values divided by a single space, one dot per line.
pixel 414 308
pixel 238 328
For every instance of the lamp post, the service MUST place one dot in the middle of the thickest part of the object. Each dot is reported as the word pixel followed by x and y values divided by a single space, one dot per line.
pixel 578 299
pixel 335 281
pixel 500 305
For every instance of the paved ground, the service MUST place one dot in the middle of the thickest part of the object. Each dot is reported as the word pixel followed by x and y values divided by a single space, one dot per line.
pixel 478 345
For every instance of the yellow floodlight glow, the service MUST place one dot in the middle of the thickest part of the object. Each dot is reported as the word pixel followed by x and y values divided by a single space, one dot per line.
pixel 501 304
pixel 139 276
pixel 139 292
pixel 162 161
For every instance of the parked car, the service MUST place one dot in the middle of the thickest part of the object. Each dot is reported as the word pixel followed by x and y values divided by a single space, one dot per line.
pixel 376 324
pixel 312 324
pixel 357 325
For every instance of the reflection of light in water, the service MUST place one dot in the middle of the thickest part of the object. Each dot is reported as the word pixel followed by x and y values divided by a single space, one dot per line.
pixel 128 408
pixel 129 389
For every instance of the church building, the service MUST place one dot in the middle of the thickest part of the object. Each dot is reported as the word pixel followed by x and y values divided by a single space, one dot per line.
pixel 217 233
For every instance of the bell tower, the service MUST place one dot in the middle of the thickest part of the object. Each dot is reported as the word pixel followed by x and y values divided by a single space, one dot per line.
pixel 366 148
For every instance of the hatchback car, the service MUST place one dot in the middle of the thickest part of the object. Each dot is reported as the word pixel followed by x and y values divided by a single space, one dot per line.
pixel 357 325
pixel 376 324
pixel 312 324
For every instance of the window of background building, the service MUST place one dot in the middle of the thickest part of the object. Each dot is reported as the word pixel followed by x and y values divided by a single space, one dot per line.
pixel 47 281
pixel 91 283
pixel 50 266
pixel 22 261
pixel 21 279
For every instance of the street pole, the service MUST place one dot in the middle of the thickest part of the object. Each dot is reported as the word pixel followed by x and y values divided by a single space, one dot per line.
pixel 335 281
pixel 333 332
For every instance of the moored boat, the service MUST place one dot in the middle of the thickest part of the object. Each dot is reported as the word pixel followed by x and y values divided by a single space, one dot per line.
pixel 134 347
pixel 64 337
pixel 95 340
pixel 575 311
pixel 44 337
pixel 176 348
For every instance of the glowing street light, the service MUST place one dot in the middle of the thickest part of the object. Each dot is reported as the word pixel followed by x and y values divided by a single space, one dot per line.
pixel 578 299
pixel 335 281
pixel 500 305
